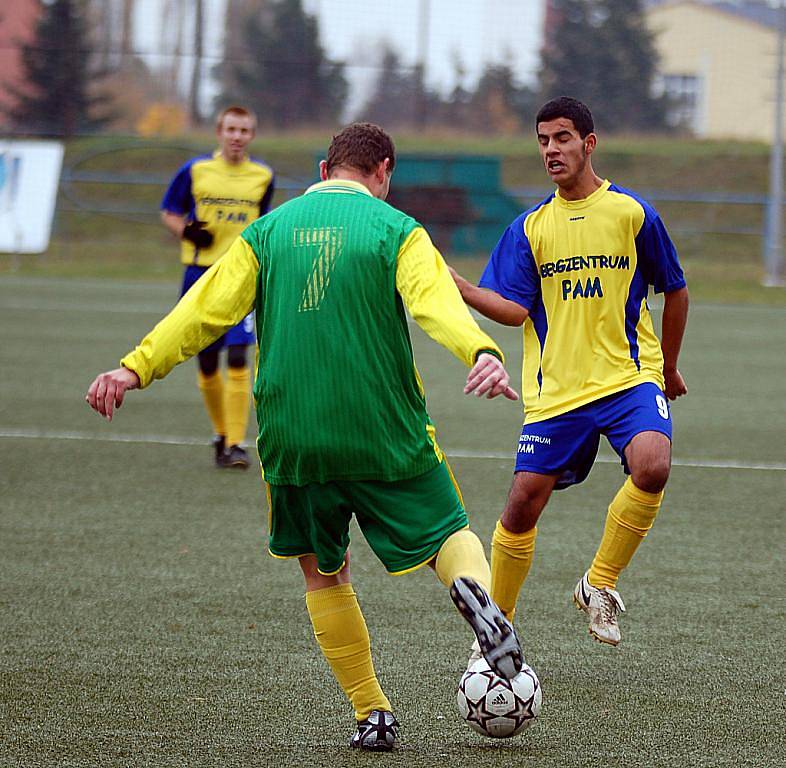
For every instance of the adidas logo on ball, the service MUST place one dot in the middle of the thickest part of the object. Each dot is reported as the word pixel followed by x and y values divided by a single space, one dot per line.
pixel 495 707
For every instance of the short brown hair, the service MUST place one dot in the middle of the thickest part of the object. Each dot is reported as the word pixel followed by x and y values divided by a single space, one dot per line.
pixel 362 146
pixel 235 110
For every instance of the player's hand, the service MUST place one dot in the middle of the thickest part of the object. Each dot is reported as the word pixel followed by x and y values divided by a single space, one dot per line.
pixel 108 390
pixel 674 384
pixel 195 232
pixel 488 377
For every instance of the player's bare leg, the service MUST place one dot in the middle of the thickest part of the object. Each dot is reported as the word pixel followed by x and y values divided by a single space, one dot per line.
pixel 342 635
pixel 630 517
pixel 513 542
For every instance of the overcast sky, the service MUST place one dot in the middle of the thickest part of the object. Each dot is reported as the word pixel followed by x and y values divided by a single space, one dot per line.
pixel 353 31
pixel 475 31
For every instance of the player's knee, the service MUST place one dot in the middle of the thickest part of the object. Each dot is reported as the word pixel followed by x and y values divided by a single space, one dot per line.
pixel 522 512
pixel 208 362
pixel 652 477
pixel 236 356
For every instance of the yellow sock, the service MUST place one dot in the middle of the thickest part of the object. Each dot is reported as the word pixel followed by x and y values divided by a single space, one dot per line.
pixel 341 632
pixel 462 555
pixel 212 389
pixel 236 397
pixel 511 558
pixel 630 516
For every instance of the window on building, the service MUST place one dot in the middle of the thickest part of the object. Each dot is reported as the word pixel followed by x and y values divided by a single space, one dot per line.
pixel 684 95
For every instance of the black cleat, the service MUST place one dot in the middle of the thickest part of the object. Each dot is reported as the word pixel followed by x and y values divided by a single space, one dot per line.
pixel 219 443
pixel 496 636
pixel 377 733
pixel 234 457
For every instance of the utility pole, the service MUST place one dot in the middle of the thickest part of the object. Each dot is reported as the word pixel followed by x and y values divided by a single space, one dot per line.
pixel 773 237
pixel 420 66
pixel 196 72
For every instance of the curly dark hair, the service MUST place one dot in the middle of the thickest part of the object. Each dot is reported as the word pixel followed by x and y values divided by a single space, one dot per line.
pixel 569 108
pixel 362 146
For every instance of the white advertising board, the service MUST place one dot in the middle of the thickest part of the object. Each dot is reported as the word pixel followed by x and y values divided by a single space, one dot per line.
pixel 29 177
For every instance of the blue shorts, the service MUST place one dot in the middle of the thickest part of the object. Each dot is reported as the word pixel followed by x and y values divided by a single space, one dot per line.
pixel 566 445
pixel 242 334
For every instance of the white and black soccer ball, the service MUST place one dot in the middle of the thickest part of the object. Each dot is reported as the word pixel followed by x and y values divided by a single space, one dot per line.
pixel 496 707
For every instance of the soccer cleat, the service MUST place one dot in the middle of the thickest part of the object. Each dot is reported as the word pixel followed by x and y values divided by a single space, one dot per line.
pixel 377 733
pixel 496 637
pixel 602 606
pixel 234 457
pixel 219 443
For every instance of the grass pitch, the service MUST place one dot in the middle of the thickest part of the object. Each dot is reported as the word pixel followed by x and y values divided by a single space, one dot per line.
pixel 143 623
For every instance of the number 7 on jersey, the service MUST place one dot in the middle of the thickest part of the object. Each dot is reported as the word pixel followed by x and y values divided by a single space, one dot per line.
pixel 327 245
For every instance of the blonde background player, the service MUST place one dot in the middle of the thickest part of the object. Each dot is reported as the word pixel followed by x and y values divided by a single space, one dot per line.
pixel 209 202
pixel 343 426
pixel 575 271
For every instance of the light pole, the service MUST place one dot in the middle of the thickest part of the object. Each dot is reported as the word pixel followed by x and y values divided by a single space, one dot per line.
pixel 424 17
pixel 773 238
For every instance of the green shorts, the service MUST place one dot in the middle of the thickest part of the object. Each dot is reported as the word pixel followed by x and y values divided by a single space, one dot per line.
pixel 405 522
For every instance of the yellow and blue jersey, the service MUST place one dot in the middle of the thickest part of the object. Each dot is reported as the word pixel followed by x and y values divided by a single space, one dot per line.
pixel 226 196
pixel 583 270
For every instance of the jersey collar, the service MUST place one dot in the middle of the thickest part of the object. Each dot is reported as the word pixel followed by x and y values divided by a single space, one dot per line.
pixel 339 185
pixel 585 202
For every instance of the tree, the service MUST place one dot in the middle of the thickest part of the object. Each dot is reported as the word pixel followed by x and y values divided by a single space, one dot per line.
pixel 499 103
pixel 400 97
pixel 601 52
pixel 284 74
pixel 54 98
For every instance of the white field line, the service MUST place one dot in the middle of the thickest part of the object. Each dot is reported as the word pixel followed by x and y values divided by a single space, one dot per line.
pixel 36 434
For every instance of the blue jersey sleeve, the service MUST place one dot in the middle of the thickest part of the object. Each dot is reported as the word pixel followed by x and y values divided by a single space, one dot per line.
pixel 657 255
pixel 178 197
pixel 511 270
pixel 267 199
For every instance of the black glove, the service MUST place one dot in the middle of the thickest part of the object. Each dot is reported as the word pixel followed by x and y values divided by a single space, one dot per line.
pixel 195 232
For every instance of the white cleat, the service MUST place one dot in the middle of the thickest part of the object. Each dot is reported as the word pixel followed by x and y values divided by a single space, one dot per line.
pixel 602 606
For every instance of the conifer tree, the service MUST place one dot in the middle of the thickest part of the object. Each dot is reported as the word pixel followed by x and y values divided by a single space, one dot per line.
pixel 54 97
pixel 284 73
pixel 400 97
pixel 601 52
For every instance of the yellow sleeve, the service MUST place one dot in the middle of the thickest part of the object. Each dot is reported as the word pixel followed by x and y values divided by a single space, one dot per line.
pixel 219 300
pixel 434 301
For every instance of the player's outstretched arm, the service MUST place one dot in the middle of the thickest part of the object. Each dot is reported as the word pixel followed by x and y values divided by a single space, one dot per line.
pixel 108 390
pixel 489 303
pixel 488 377
pixel 675 318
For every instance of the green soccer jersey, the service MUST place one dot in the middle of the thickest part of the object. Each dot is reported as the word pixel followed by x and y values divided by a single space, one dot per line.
pixel 336 391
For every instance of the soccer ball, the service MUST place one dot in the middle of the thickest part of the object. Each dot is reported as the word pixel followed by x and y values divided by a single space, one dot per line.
pixel 496 707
